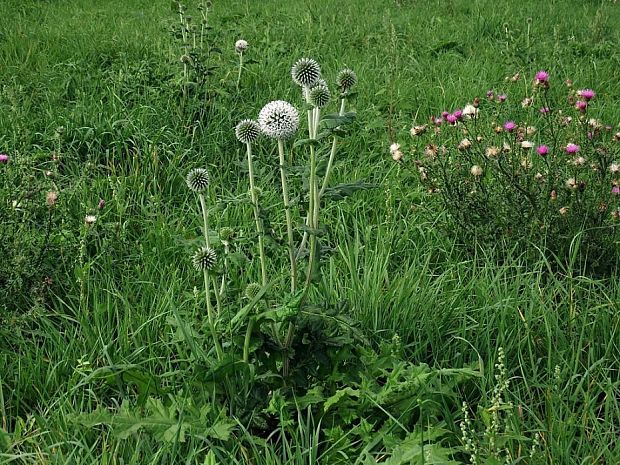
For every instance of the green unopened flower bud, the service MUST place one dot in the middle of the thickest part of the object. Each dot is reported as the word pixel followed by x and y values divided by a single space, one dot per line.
pixel 252 290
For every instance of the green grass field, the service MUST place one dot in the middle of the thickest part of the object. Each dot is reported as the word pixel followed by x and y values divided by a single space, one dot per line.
pixel 99 318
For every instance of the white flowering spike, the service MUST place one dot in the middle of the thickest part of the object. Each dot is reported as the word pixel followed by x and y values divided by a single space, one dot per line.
pixel 319 96
pixel 204 259
pixel 198 179
pixel 306 72
pixel 241 46
pixel 346 79
pixel 278 120
pixel 247 131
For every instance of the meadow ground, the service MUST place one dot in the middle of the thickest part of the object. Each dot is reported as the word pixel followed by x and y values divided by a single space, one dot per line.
pixel 92 107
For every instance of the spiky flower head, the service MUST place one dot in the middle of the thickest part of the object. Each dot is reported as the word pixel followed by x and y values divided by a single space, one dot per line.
pixel 197 179
pixel 252 290
pixel 319 96
pixel 278 120
pixel 306 72
pixel 247 131
pixel 241 46
pixel 346 79
pixel 204 259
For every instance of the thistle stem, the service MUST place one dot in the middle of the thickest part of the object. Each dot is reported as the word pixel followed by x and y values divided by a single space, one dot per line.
pixel 216 341
pixel 332 155
pixel 289 221
pixel 247 340
pixel 257 219
pixel 240 68
pixel 205 219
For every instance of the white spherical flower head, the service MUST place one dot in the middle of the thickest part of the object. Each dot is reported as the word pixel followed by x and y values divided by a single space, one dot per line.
pixel 319 96
pixel 241 46
pixel 198 179
pixel 346 79
pixel 247 131
pixel 278 120
pixel 306 72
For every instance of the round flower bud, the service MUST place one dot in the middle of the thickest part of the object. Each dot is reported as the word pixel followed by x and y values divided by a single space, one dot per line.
pixel 306 72
pixel 252 290
pixel 204 259
pixel 247 131
pixel 226 234
pixel 198 179
pixel 319 96
pixel 278 120
pixel 241 46
pixel 346 79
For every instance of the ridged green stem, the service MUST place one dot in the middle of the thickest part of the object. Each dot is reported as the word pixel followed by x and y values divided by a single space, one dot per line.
pixel 257 219
pixel 289 220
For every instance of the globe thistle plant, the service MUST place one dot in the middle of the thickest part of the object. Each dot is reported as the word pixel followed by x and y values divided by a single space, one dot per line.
pixel 279 120
pixel 198 180
pixel 346 79
pixel 306 72
pixel 240 47
pixel 319 96
pixel 247 131
pixel 204 259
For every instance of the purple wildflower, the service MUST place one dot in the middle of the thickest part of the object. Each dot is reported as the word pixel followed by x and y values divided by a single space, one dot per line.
pixel 510 126
pixel 542 150
pixel 572 148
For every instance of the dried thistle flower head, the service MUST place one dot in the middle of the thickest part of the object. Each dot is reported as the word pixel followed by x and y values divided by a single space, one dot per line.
pixel 278 120
pixel 319 96
pixel 247 131
pixel 417 130
pixel 241 46
pixel 51 198
pixel 476 171
pixel 197 179
pixel 346 79
pixel 492 152
pixel 204 259
pixel 90 219
pixel 465 144
pixel 305 72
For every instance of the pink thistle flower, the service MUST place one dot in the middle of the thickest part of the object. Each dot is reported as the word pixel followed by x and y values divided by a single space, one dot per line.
pixel 587 94
pixel 444 114
pixel 510 126
pixel 615 190
pixel 544 110
pixel 490 94
pixel 458 113
pixel 4 158
pixel 542 76
pixel 542 150
pixel 451 118
pixel 502 97
pixel 572 148
pixel 581 106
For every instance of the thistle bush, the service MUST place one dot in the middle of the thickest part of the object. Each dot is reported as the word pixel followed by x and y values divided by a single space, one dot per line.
pixel 532 166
